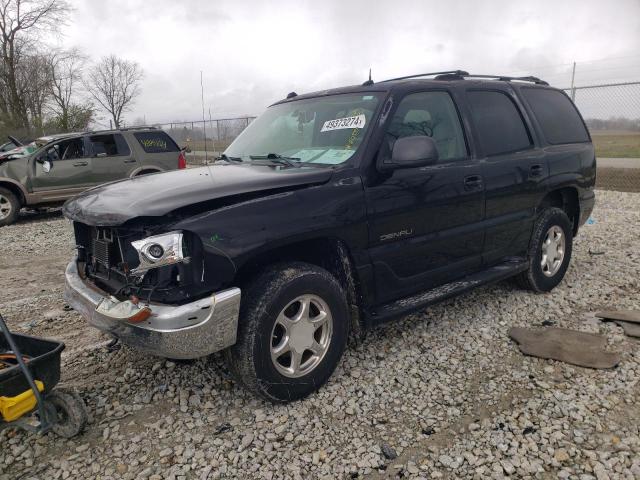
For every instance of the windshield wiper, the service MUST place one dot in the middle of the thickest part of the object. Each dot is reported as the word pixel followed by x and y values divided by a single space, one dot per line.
pixel 277 158
pixel 229 159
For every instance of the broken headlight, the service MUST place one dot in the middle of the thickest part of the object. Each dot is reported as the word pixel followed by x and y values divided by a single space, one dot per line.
pixel 158 251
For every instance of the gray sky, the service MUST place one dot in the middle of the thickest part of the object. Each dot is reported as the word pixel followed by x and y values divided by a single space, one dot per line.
pixel 253 53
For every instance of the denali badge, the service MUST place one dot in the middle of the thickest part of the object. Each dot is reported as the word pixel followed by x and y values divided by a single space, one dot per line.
pixel 393 235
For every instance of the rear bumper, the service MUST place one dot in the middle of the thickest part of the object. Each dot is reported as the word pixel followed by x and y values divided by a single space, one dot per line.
pixel 193 330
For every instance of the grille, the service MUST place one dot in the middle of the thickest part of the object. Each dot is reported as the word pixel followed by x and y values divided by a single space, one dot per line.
pixel 103 248
pixel 102 252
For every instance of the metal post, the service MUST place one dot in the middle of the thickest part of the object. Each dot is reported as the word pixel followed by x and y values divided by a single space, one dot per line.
pixel 204 123
pixel 213 145
pixel 573 87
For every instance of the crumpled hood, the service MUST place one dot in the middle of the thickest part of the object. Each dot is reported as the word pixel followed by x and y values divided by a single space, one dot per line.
pixel 158 194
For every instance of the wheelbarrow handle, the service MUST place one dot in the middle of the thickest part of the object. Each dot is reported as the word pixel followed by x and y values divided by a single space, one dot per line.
pixel 44 423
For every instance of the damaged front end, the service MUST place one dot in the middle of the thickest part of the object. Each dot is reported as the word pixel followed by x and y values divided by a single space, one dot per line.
pixel 142 263
pixel 146 285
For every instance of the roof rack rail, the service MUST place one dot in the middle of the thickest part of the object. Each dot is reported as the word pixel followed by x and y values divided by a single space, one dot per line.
pixel 124 129
pixel 505 78
pixel 460 73
pixel 139 127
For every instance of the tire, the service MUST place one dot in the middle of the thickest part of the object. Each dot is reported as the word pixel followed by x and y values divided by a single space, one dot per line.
pixel 275 299
pixel 9 207
pixel 70 413
pixel 539 278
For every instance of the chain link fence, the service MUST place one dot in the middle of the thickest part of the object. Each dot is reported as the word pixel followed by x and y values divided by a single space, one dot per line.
pixel 612 112
pixel 206 139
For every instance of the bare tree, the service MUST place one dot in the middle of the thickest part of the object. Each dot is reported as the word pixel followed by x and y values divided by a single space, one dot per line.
pixel 114 83
pixel 66 69
pixel 21 21
pixel 34 80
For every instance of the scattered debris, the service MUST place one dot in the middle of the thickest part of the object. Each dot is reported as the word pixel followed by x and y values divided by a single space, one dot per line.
pixel 622 315
pixel 113 345
pixel 388 451
pixel 592 252
pixel 629 320
pixel 225 427
pixel 630 329
pixel 570 346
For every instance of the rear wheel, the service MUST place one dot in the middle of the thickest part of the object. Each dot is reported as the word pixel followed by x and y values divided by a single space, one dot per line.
pixel 549 252
pixel 294 325
pixel 9 207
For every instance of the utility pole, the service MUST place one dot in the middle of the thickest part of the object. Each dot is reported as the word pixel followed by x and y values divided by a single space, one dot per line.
pixel 573 86
pixel 204 124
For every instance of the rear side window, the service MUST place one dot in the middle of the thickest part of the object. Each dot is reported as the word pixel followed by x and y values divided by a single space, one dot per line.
pixel 109 145
pixel 557 116
pixel 498 122
pixel 156 142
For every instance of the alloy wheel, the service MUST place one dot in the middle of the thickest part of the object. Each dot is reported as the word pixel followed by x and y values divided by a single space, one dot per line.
pixel 301 336
pixel 553 248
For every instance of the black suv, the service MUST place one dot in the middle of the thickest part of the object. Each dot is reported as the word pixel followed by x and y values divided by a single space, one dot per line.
pixel 332 212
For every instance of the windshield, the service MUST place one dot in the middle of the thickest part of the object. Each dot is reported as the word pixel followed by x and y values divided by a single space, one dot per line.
pixel 323 130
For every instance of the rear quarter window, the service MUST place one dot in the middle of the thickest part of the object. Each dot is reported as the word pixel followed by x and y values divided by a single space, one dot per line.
pixel 498 121
pixel 557 115
pixel 156 142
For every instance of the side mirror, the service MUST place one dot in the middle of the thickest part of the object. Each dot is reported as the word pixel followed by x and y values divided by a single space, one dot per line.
pixel 411 152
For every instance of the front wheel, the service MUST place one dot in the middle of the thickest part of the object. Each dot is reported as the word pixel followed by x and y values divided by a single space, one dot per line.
pixel 294 324
pixel 549 251
pixel 9 207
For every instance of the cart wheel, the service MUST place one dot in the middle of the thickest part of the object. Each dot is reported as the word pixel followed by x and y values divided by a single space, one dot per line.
pixel 71 414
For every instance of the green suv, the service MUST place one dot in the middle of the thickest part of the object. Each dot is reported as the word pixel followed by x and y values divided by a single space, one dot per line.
pixel 68 164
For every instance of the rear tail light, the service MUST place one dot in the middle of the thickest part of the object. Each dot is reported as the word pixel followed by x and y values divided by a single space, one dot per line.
pixel 182 162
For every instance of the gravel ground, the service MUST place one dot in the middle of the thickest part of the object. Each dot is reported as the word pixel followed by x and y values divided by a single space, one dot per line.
pixel 440 394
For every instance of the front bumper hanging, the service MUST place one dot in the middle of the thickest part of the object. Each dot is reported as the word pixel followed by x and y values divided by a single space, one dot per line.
pixel 188 331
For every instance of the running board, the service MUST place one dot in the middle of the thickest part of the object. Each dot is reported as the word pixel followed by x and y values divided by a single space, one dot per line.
pixel 408 305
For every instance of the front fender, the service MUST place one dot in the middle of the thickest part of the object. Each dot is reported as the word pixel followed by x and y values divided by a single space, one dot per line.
pixel 245 229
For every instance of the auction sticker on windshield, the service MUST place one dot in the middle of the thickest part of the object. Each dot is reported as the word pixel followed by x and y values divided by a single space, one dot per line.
pixel 357 121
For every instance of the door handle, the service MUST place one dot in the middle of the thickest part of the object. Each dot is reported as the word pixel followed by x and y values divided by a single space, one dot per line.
pixel 129 160
pixel 535 170
pixel 81 164
pixel 473 182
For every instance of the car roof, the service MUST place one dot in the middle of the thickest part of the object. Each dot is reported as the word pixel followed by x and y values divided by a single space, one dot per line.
pixel 418 81
pixel 57 136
